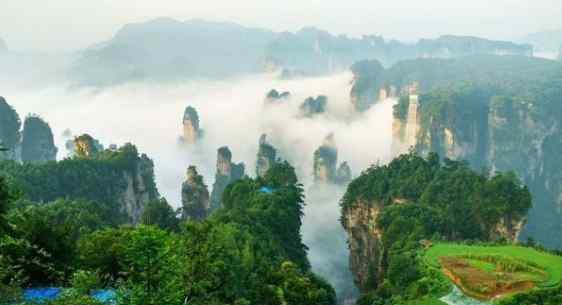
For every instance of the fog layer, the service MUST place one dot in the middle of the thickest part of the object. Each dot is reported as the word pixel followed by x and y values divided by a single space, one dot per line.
pixel 232 113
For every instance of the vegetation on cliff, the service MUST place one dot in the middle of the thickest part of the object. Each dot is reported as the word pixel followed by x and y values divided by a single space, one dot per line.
pixel 418 199
pixel 248 252
pixel 103 177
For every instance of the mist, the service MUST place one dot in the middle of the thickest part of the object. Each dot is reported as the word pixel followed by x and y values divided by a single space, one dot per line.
pixel 232 113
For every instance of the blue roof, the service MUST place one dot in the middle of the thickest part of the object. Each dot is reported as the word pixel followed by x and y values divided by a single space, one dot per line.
pixel 265 189
pixel 40 294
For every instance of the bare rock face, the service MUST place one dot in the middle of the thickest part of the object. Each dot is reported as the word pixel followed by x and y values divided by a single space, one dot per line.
pixel 85 146
pixel 325 161
pixel 191 130
pixel 343 174
pixel 37 143
pixel 274 96
pixel 325 164
pixel 313 106
pixel 365 244
pixel 194 196
pixel 227 172
pixel 10 135
pixel 267 156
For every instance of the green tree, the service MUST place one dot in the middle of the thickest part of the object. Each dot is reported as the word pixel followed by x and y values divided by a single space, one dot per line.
pixel 152 267
pixel 160 213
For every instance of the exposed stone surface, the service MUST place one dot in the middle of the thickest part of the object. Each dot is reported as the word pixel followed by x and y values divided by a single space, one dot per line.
pixel 365 240
pixel 10 125
pixel 267 156
pixel 85 146
pixel 191 130
pixel 312 106
pixel 343 174
pixel 194 196
pixel 227 172
pixel 37 142
pixel 140 188
pixel 365 244
pixel 275 96
pixel 325 161
pixel 325 164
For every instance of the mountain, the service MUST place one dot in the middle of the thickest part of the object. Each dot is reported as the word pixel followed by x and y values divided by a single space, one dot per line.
pixel 313 51
pixel 545 41
pixel 167 49
pixel 497 112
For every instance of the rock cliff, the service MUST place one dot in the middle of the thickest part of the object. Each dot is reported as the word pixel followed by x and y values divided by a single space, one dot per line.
pixel 422 196
pixel 194 196
pixel 275 96
pixel 85 146
pixel 37 141
pixel 191 130
pixel 512 127
pixel 325 164
pixel 227 172
pixel 313 106
pixel 10 125
pixel 266 158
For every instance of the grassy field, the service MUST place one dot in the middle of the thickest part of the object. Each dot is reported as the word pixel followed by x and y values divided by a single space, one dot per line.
pixel 490 271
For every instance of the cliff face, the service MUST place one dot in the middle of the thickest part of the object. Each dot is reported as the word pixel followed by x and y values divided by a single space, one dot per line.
pixel 191 130
pixel 194 196
pixel 266 158
pixel 10 125
pixel 37 142
pixel 275 96
pixel 365 244
pixel 503 134
pixel 312 106
pixel 326 168
pixel 227 172
pixel 139 190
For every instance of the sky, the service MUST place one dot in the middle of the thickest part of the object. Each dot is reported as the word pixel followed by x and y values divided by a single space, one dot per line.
pixel 62 25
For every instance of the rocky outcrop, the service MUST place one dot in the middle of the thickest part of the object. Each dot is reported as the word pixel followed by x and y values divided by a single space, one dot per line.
pixel 37 141
pixel 191 130
pixel 85 146
pixel 405 131
pixel 227 172
pixel 313 106
pixel 274 97
pixel 505 129
pixel 365 244
pixel 10 125
pixel 266 158
pixel 140 188
pixel 194 196
pixel 343 174
pixel 325 163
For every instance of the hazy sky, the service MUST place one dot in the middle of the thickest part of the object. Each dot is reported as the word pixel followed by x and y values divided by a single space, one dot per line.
pixel 71 24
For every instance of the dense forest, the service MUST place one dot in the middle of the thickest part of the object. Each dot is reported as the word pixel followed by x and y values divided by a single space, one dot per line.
pixel 249 252
pixel 421 201
pixel 103 177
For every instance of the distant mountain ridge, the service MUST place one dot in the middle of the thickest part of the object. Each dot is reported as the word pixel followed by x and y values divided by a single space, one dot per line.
pixel 545 41
pixel 165 49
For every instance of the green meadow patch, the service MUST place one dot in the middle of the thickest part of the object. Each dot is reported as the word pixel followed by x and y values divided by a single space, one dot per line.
pixel 487 272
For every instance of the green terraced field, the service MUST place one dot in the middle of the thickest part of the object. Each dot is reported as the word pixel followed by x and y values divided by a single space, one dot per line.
pixel 550 263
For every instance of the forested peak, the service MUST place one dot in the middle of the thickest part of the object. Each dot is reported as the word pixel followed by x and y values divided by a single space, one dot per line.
pixel 431 182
